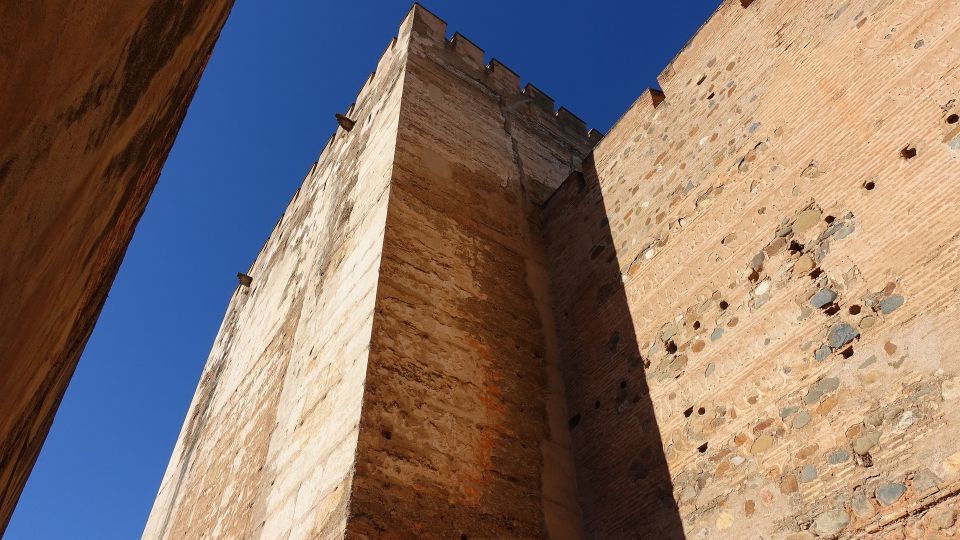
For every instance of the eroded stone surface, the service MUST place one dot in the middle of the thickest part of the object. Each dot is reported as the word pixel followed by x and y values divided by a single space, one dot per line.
pixel 268 447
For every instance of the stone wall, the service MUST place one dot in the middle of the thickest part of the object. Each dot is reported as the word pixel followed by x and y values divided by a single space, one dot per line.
pixel 268 445
pixel 93 96
pixel 463 419
pixel 759 278
pixel 392 371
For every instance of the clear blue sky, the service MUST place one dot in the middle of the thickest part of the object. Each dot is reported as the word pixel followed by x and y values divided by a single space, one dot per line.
pixel 262 113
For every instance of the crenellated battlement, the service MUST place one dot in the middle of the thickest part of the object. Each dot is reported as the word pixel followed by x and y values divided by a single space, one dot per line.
pixel 469 58
pixel 539 97
pixel 467 49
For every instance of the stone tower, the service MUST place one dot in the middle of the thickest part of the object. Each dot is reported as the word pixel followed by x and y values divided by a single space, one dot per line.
pixel 733 316
pixel 392 368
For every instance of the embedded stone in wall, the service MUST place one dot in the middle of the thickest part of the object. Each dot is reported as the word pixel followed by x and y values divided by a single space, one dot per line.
pixel 787 256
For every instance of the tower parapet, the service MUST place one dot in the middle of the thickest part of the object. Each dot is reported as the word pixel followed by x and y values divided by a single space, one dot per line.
pixel 494 75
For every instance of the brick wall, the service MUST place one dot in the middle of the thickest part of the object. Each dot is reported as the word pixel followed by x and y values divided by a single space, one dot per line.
pixel 770 312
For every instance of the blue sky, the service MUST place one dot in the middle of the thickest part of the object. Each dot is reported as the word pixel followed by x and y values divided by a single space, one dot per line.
pixel 262 113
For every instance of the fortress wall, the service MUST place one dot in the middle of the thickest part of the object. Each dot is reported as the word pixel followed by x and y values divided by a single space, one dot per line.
pixel 751 280
pixel 93 96
pixel 422 214
pixel 698 257
pixel 268 445
pixel 463 428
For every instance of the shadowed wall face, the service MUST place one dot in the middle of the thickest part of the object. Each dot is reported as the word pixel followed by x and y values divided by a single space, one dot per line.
pixel 623 479
pixel 94 94
pixel 781 231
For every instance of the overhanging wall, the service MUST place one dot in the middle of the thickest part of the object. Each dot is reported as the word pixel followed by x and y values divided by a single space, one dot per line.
pixel 93 96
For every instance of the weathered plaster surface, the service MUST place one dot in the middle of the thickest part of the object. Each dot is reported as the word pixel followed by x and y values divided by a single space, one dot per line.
pixel 93 96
